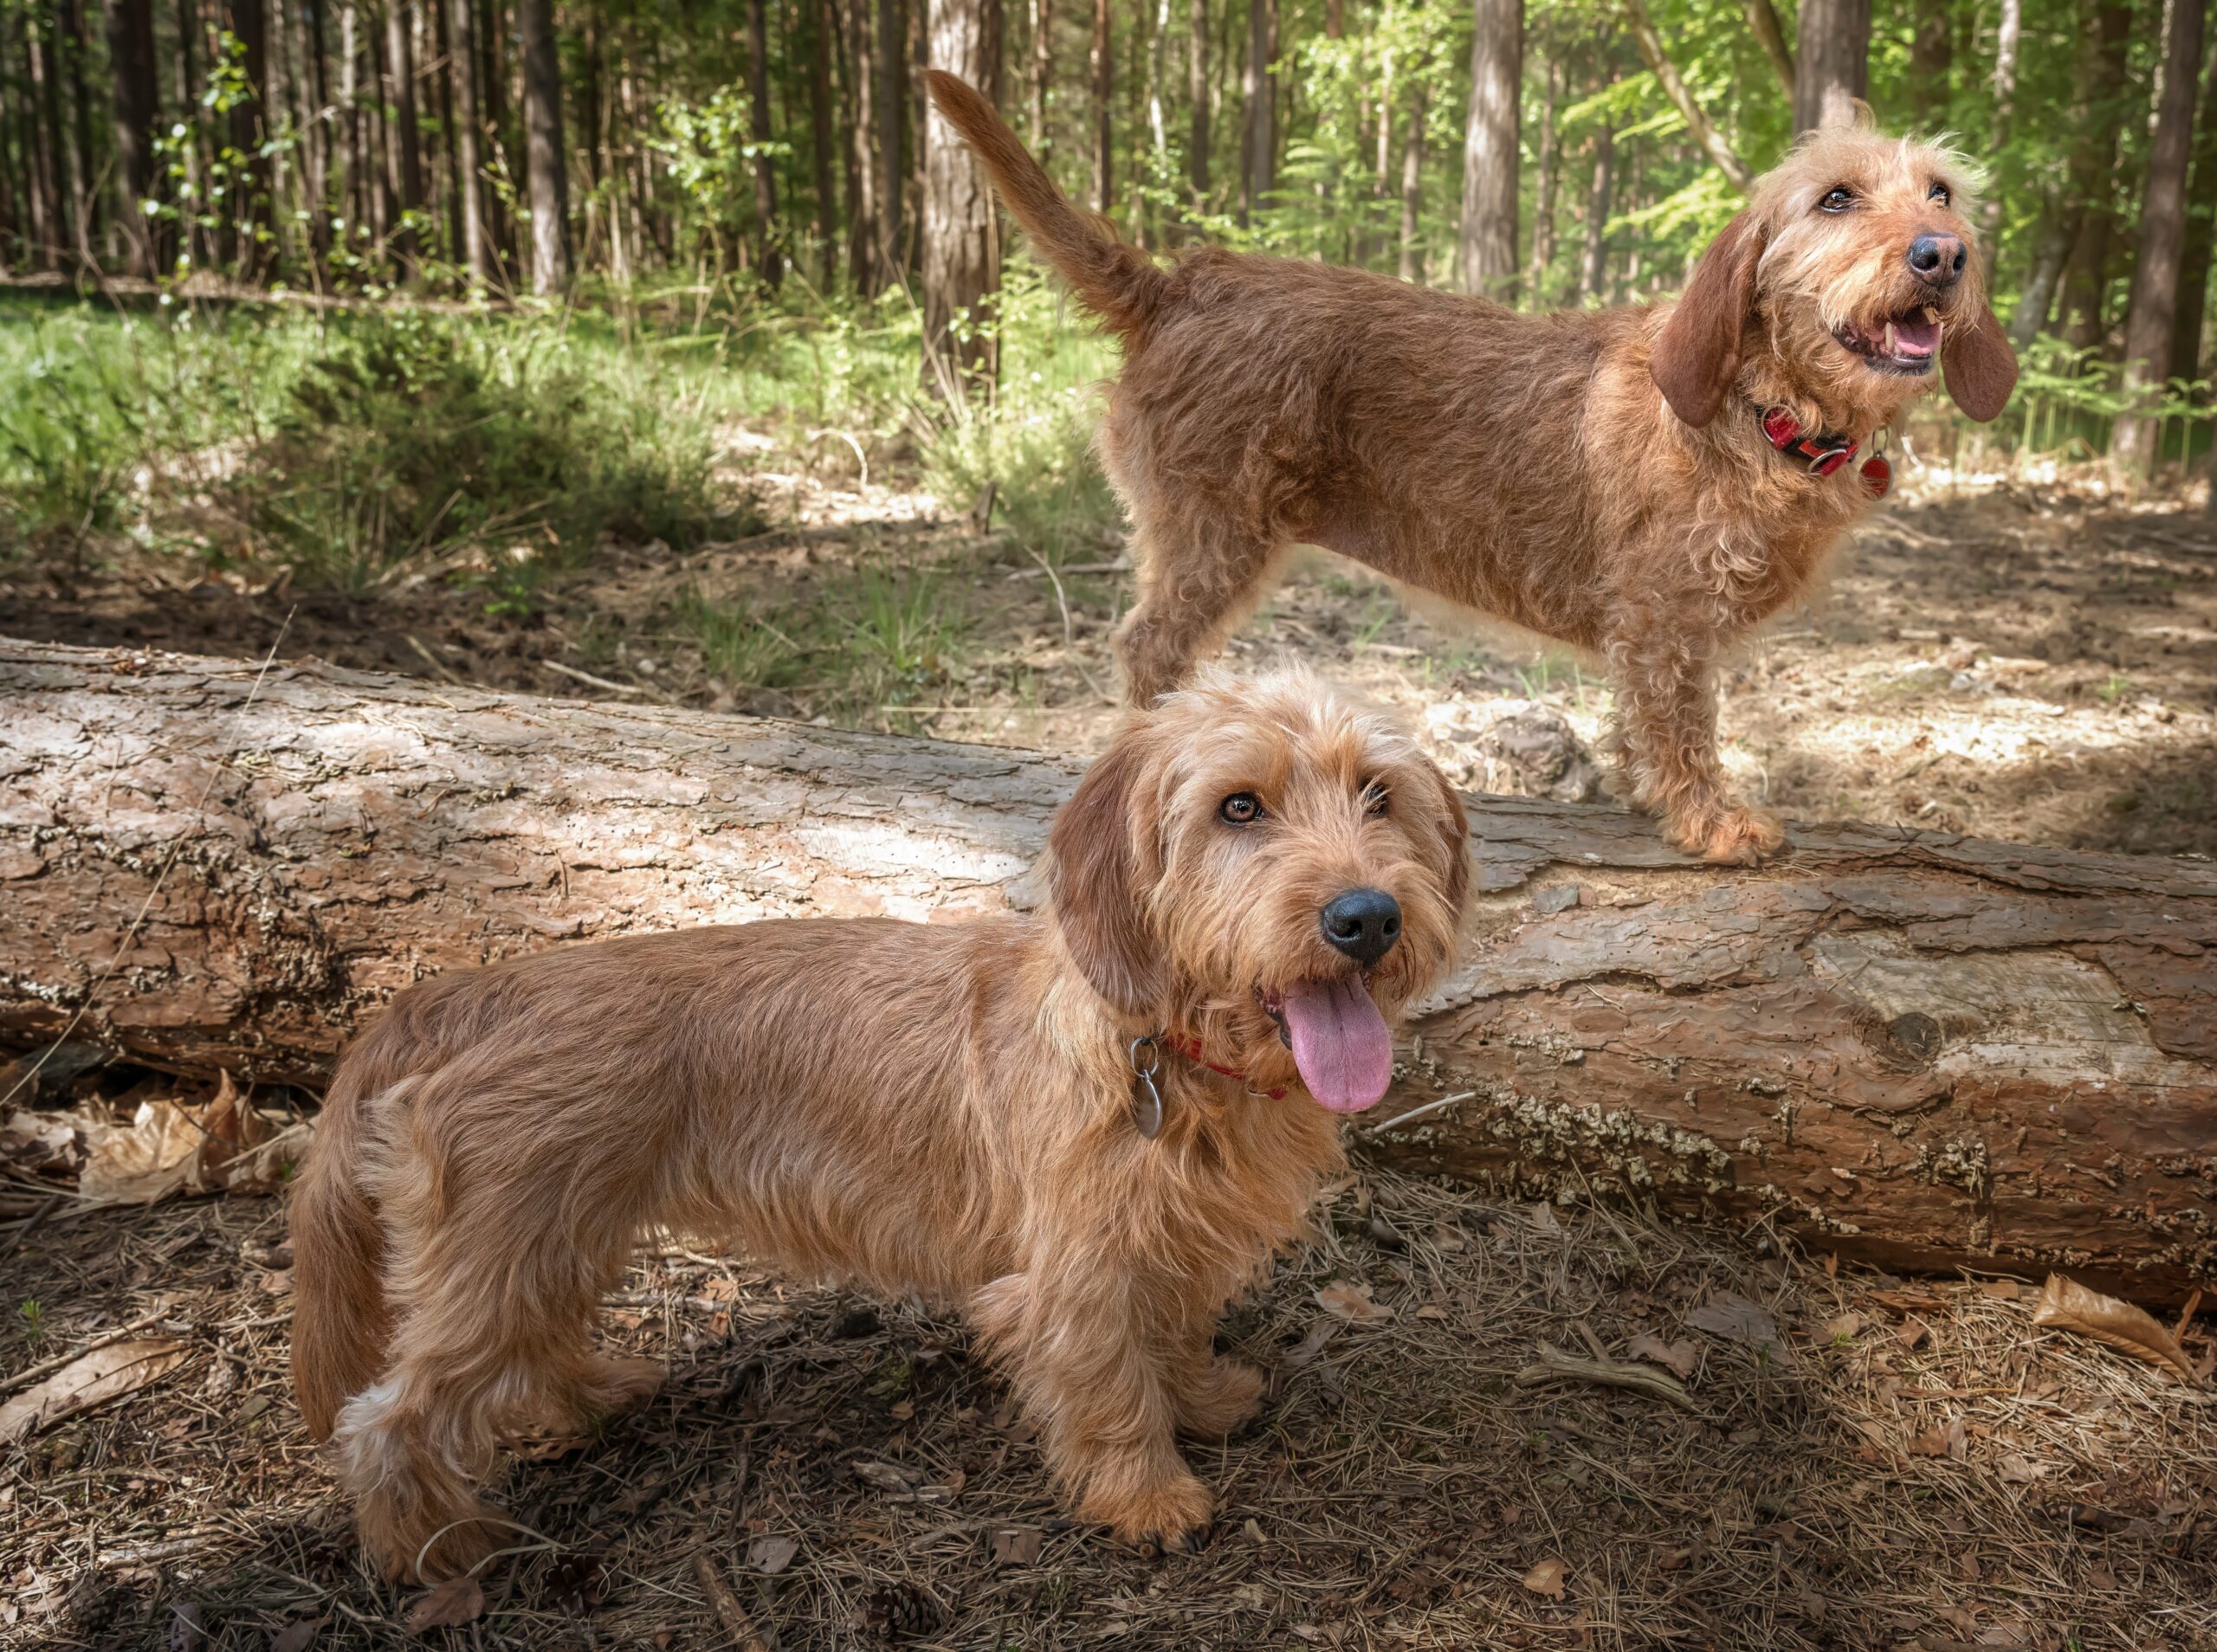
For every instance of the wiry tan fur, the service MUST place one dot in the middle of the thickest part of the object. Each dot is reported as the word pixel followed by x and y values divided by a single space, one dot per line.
pixel 1597 477
pixel 940 1109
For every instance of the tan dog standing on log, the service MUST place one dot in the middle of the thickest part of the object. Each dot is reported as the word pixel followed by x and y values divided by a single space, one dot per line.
pixel 1648 484
pixel 1090 1128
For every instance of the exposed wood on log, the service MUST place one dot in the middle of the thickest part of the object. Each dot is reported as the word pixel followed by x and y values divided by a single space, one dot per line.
pixel 1931 1050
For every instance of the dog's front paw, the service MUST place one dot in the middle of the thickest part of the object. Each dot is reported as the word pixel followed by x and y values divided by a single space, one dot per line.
pixel 1221 1401
pixel 1167 1517
pixel 1732 835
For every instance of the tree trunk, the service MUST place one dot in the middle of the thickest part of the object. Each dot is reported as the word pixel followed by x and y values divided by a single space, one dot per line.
pixel 1762 19
pixel 84 190
pixel 403 152
pixel 1593 269
pixel 493 113
pixel 769 257
pixel 1833 61
pixel 892 123
pixel 1103 67
pixel 544 160
pixel 130 25
pixel 461 28
pixel 1411 187
pixel 2154 305
pixel 439 30
pixel 1258 136
pixel 2201 231
pixel 1928 1050
pixel 1543 209
pixel 863 263
pixel 2058 231
pixel 2005 101
pixel 251 216
pixel 1931 64
pixel 1197 90
pixel 1042 77
pixel 962 263
pixel 821 146
pixel 1489 157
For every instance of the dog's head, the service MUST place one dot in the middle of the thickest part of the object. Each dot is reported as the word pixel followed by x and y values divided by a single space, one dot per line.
pixel 1258 865
pixel 1853 270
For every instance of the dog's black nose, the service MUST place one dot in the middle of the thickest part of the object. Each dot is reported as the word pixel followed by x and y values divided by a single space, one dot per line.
pixel 1363 923
pixel 1937 261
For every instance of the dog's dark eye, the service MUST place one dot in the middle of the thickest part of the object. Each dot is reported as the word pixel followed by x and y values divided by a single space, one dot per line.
pixel 1838 198
pixel 1940 194
pixel 1376 800
pixel 1240 808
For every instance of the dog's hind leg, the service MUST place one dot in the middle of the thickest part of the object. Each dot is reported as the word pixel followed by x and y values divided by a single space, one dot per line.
pixel 1199 576
pixel 495 1314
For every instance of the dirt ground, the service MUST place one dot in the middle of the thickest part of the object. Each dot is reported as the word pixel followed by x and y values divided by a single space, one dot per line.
pixel 1876 1464
pixel 1866 1463
pixel 2027 660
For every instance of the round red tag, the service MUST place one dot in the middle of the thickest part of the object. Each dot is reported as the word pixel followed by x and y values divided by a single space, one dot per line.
pixel 1877 475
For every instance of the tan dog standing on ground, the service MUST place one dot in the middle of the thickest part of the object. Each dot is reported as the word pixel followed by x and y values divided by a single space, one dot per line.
pixel 1648 483
pixel 1250 883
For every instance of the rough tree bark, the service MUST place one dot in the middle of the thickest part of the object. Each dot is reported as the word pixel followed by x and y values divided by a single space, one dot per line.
pixel 1832 61
pixel 962 262
pixel 462 31
pixel 2154 305
pixel 1650 41
pixel 1103 68
pixel 404 158
pixel 137 104
pixel 769 257
pixel 544 161
pixel 1922 1049
pixel 1489 152
pixel 1197 95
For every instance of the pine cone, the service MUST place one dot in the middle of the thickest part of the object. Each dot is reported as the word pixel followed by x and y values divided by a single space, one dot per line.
pixel 900 1610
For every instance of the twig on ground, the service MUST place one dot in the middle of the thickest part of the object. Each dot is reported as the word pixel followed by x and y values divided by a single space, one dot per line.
pixel 587 677
pixel 1557 1365
pixel 31 1373
pixel 745 1637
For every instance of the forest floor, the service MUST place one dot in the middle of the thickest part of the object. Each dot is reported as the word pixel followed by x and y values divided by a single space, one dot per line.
pixel 2034 660
pixel 1867 1463
pixel 1875 1464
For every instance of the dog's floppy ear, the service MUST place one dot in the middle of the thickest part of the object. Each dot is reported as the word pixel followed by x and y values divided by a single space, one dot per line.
pixel 1982 368
pixel 1696 360
pixel 1095 877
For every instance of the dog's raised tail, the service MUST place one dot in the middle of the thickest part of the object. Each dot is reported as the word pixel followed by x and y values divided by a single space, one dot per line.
pixel 1117 282
pixel 341 1323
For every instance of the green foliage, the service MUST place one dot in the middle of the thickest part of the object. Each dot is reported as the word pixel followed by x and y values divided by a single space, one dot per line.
pixel 413 435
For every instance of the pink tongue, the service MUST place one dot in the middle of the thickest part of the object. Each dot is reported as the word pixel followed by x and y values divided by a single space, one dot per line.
pixel 1916 337
pixel 1339 1042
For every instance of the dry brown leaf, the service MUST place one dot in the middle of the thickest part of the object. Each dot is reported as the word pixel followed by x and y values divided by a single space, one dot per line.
pixel 1730 1315
pixel 888 1477
pixel 457 1601
pixel 2019 1469
pixel 1941 1440
pixel 1350 1300
pixel 144 1160
pixel 1677 1355
pixel 1305 1350
pixel 93 1379
pixel 771 1555
pixel 1844 1328
pixel 1017 1545
pixel 1911 1331
pixel 2066 1305
pixel 1546 1579
pixel 39 1144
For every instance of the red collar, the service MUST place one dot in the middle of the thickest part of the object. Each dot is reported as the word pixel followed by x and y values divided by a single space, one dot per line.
pixel 1191 1049
pixel 1825 450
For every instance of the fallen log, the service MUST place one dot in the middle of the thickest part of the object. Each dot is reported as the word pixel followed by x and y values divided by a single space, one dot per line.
pixel 1930 1050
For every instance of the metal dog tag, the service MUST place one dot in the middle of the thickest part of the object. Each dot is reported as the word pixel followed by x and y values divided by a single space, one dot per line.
pixel 1147 1100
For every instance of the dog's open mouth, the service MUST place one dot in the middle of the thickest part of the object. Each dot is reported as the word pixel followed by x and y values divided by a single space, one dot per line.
pixel 1906 344
pixel 1338 1038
